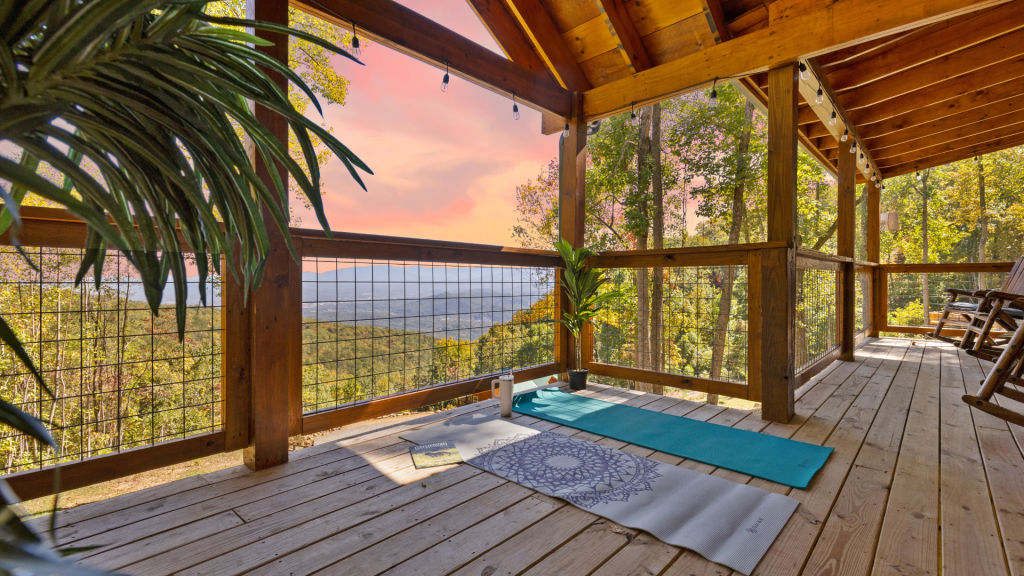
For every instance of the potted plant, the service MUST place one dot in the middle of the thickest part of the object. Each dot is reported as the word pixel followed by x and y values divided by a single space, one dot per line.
pixel 581 283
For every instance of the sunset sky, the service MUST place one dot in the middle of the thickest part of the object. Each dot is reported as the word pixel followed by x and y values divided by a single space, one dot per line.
pixel 446 164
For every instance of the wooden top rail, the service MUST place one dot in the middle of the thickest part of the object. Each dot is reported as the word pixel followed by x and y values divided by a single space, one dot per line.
pixel 723 255
pixel 939 268
pixel 362 246
pixel 54 228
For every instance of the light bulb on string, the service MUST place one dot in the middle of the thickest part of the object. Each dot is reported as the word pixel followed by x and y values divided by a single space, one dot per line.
pixel 853 147
pixel 515 107
pixel 873 176
pixel 632 113
pixel 833 119
pixel 355 51
pixel 444 82
pixel 846 135
pixel 713 101
pixel 878 184
pixel 919 176
pixel 861 160
pixel 565 132
pixel 819 97
pixel 805 74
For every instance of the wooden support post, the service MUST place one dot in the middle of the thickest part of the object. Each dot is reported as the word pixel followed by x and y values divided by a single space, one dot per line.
pixel 571 212
pixel 270 325
pixel 878 303
pixel 778 265
pixel 236 381
pixel 848 293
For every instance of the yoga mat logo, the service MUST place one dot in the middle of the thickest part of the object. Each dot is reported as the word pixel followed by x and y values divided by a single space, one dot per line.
pixel 753 527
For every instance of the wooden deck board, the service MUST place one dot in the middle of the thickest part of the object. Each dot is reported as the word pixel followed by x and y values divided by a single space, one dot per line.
pixel 357 506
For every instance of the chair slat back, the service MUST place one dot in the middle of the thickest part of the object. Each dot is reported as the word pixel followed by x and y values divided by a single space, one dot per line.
pixel 1015 279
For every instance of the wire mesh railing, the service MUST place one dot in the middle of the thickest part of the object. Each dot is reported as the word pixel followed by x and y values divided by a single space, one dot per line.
pixel 917 298
pixel 863 305
pixel 698 326
pixel 120 377
pixel 816 316
pixel 375 328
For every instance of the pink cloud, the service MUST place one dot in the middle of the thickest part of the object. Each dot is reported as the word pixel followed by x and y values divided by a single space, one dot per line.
pixel 446 164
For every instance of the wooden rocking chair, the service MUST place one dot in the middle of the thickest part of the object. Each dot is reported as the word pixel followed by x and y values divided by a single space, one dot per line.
pixel 1008 368
pixel 979 311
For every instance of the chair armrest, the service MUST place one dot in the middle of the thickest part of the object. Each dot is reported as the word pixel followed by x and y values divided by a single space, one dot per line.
pixel 959 292
pixel 1006 296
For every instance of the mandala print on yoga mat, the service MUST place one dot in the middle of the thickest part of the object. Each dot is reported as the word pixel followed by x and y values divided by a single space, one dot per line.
pixel 581 472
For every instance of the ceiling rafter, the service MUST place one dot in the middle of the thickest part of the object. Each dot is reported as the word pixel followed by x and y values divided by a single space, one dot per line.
pixel 955 155
pixel 942 147
pixel 621 27
pixel 949 135
pixel 840 24
pixel 991 98
pixel 393 25
pixel 507 35
pixel 985 113
pixel 716 20
pixel 965 34
pixel 541 30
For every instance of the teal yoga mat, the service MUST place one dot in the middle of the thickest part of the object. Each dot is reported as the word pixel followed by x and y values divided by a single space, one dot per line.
pixel 777 459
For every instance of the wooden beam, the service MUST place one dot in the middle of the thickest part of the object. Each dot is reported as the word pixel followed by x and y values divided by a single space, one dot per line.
pixel 399 28
pixel 710 386
pixel 548 40
pixel 873 242
pixel 965 61
pixel 507 35
pixel 990 111
pixel 965 34
pixel 974 267
pixel 327 248
pixel 716 20
pixel 846 233
pixel 236 363
pixel 271 365
pixel 38 483
pixel 955 155
pixel 989 125
pixel 778 265
pixel 940 110
pixel 621 27
pixel 836 25
pixel 571 215
pixel 940 148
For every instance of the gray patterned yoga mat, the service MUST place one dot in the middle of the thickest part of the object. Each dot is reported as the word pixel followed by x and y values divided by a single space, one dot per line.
pixel 729 523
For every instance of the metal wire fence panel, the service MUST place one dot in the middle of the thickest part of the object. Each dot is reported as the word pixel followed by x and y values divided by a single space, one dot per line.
pixel 703 326
pixel 816 316
pixel 120 377
pixel 373 328
pixel 863 288
pixel 917 299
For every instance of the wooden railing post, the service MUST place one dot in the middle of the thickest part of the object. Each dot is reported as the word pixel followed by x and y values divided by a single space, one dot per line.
pixel 571 213
pixel 878 302
pixel 236 381
pixel 270 325
pixel 845 247
pixel 778 265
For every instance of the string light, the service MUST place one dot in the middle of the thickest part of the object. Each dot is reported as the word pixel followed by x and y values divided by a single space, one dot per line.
pixel 565 132
pixel 833 119
pixel 444 83
pixel 805 74
pixel 919 176
pixel 515 107
pixel 853 147
pixel 878 184
pixel 861 158
pixel 819 97
pixel 632 114
pixel 714 95
pixel 873 175
pixel 846 136
pixel 355 51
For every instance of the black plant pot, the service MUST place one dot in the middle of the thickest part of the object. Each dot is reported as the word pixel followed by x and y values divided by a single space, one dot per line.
pixel 578 379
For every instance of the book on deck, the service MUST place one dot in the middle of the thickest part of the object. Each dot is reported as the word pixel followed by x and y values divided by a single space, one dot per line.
pixel 435 454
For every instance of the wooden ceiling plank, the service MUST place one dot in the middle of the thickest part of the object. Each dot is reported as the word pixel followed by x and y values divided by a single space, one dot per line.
pixel 850 56
pixel 837 26
pixel 942 147
pixel 940 110
pixel 965 61
pixel 621 27
pixel 397 27
pixel 982 28
pixel 650 17
pixel 949 135
pixel 955 155
pixel 754 17
pixel 715 17
pixel 548 40
pixel 945 93
pixel 507 34
pixel 985 113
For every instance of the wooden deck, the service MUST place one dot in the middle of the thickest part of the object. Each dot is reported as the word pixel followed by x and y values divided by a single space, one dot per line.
pixel 918 484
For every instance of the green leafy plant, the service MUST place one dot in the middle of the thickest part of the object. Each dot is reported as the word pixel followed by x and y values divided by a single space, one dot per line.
pixel 581 283
pixel 138 104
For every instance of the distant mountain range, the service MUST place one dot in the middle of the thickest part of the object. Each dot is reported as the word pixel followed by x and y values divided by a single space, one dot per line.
pixel 459 302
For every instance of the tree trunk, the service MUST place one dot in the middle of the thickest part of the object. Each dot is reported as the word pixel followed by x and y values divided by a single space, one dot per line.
pixel 657 243
pixel 982 222
pixel 739 213
pixel 643 289
pixel 925 311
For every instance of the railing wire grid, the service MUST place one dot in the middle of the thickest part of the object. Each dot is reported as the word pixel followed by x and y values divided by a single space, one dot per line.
pixel 816 320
